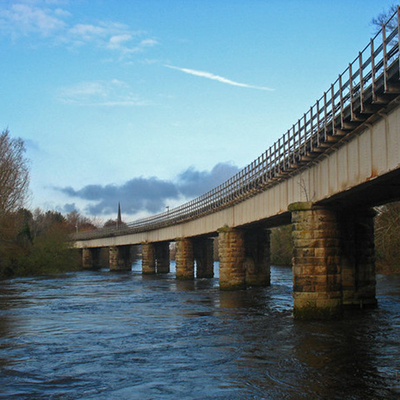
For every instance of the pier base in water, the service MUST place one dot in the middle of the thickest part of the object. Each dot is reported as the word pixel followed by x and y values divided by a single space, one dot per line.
pixel 120 258
pixel 184 259
pixel 148 258
pixel 317 280
pixel 203 254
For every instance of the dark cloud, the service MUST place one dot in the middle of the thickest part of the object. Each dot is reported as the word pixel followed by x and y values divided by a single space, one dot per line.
pixel 67 208
pixel 138 194
pixel 149 194
pixel 193 183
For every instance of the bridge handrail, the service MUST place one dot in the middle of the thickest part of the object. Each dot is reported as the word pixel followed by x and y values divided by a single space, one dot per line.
pixel 328 118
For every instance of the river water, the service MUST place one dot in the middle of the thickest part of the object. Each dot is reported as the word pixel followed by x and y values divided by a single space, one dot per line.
pixel 103 335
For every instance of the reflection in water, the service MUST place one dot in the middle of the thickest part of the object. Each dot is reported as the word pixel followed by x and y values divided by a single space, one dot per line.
pixel 102 335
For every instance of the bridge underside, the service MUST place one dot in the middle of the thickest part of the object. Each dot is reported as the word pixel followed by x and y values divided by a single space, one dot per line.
pixel 375 192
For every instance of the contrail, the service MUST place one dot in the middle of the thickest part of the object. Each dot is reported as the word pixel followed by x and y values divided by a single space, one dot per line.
pixel 218 78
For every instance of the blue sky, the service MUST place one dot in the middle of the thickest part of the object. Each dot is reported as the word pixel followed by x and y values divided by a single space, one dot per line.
pixel 153 102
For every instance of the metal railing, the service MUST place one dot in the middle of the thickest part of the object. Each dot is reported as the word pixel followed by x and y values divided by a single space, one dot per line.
pixel 347 103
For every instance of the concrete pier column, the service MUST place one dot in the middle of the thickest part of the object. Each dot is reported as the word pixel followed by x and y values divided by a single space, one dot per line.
pixel 358 266
pixel 204 256
pixel 90 258
pixel 148 258
pixel 232 274
pixel 317 284
pixel 257 262
pixel 120 258
pixel 184 259
pixel 162 258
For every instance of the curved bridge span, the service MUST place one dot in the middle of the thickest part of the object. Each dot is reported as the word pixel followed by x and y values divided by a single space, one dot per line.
pixel 323 175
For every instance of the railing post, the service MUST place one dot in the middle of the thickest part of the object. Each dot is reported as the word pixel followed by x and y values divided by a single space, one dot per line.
pixel 341 102
pixel 333 109
pixel 373 70
pixel 352 116
pixel 361 82
pixel 311 130
pixel 385 78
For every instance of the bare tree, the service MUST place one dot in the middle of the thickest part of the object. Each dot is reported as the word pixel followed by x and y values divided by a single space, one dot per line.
pixel 387 237
pixel 384 17
pixel 14 173
pixel 76 222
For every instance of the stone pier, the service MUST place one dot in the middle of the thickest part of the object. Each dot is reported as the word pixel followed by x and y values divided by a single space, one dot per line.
pixel 333 261
pixel 232 274
pixel 358 258
pixel 204 257
pixel 148 258
pixel 120 258
pixel 162 257
pixel 91 258
pixel 257 262
pixel 184 259
pixel 317 280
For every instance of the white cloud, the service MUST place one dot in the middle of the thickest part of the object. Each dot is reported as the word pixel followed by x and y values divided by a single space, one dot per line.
pixel 148 43
pixel 62 13
pixel 118 39
pixel 86 32
pixel 218 78
pixel 45 20
pixel 100 93
pixel 112 36
pixel 23 19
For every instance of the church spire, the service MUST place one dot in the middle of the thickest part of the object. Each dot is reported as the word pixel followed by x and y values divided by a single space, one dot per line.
pixel 119 219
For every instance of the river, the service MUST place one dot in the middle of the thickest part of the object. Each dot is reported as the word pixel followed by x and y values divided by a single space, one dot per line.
pixel 103 335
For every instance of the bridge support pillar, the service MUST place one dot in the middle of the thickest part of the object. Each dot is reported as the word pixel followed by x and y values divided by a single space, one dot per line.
pixel 162 257
pixel 148 258
pixel 90 258
pixel 317 280
pixel 257 261
pixel 120 258
pixel 184 259
pixel 358 267
pixel 232 274
pixel 203 254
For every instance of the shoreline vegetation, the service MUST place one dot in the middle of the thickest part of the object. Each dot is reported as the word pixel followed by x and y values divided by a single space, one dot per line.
pixel 31 242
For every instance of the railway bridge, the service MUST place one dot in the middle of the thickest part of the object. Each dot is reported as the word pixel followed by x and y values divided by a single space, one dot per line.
pixel 324 176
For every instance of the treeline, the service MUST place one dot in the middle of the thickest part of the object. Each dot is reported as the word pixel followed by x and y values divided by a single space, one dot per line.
pixel 387 238
pixel 30 242
pixel 37 243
